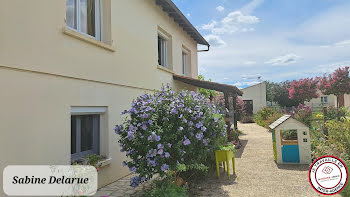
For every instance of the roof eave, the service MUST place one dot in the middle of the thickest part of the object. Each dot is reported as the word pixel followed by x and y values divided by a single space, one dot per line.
pixel 171 9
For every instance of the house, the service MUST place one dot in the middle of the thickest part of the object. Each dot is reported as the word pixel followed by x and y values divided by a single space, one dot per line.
pixel 290 141
pixel 69 68
pixel 328 101
pixel 254 97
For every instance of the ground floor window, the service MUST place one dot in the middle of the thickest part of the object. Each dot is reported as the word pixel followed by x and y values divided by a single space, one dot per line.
pixel 85 132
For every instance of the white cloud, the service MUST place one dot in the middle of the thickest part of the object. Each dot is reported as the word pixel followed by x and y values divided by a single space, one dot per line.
pixel 283 60
pixel 234 22
pixel 249 62
pixel 188 15
pixel 250 7
pixel 215 40
pixel 220 8
pixel 343 43
pixel 237 17
pixel 245 84
pixel 251 76
pixel 209 26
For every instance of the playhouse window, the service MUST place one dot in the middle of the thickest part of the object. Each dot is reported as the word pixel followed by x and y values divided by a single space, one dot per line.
pixel 289 135
pixel 304 140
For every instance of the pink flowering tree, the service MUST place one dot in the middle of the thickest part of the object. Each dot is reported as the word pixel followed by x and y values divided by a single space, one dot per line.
pixel 337 83
pixel 303 90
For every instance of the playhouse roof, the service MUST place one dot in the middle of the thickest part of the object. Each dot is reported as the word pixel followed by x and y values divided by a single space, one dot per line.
pixel 279 121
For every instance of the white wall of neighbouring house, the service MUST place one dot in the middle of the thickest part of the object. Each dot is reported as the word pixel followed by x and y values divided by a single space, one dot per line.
pixel 44 72
pixel 316 102
pixel 347 101
pixel 257 93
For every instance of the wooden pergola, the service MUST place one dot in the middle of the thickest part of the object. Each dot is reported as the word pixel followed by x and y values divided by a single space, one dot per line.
pixel 228 90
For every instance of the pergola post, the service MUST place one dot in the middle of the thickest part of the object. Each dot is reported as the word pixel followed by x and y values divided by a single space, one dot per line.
pixel 235 116
pixel 227 116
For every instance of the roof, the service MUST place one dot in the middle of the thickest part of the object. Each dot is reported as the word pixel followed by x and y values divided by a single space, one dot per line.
pixel 208 84
pixel 279 121
pixel 170 8
pixel 253 85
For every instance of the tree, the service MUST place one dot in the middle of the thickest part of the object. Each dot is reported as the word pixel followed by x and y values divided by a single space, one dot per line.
pixel 210 94
pixel 278 92
pixel 303 89
pixel 337 83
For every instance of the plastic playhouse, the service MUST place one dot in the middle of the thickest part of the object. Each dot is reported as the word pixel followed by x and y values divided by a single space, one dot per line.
pixel 291 141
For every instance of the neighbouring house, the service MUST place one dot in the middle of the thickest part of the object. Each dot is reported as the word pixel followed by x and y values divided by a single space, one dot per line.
pixel 69 68
pixel 254 97
pixel 328 100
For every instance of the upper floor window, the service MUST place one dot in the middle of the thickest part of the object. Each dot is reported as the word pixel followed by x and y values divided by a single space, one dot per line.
pixel 324 99
pixel 84 16
pixel 184 62
pixel 162 51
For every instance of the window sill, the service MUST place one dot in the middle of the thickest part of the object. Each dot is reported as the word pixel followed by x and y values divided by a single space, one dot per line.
pixel 85 38
pixel 104 162
pixel 165 69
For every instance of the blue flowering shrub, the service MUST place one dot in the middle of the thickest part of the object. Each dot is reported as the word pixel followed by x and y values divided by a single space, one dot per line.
pixel 165 130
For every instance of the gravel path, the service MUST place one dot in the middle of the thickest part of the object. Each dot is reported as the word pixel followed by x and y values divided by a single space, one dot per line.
pixel 256 172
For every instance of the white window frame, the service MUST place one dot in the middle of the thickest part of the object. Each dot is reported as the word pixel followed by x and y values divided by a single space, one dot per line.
pixel 184 62
pixel 324 99
pixel 81 111
pixel 98 20
pixel 164 50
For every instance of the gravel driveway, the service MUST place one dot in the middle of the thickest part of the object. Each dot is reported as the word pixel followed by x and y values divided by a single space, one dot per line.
pixel 256 172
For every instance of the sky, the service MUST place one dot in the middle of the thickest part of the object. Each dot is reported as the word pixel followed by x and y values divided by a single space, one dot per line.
pixel 275 40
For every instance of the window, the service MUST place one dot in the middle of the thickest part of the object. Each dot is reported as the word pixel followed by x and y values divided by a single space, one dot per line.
pixel 85 132
pixel 304 140
pixel 289 135
pixel 324 99
pixel 84 17
pixel 162 51
pixel 184 63
pixel 304 133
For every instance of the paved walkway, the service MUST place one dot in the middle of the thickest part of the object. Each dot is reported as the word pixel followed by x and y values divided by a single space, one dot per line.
pixel 256 172
pixel 122 187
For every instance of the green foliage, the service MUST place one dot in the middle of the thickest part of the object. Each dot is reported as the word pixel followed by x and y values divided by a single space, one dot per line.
pixel 333 112
pixel 337 142
pixel 166 188
pixel 346 190
pixel 167 128
pixel 229 147
pixel 93 159
pixel 278 92
pixel 210 94
pixel 266 116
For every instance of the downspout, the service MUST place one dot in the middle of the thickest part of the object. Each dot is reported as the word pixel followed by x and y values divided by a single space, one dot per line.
pixel 205 49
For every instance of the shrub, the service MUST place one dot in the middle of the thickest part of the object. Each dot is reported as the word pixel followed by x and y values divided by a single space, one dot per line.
pixel 266 116
pixel 247 119
pixel 166 129
pixel 166 187
pixel 333 112
pixel 337 142
pixel 302 113
pixel 346 190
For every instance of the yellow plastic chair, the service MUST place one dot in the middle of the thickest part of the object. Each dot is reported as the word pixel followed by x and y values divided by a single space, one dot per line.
pixel 225 156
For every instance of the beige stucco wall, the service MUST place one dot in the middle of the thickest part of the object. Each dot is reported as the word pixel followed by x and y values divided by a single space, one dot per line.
pixel 43 73
pixel 347 101
pixel 257 93
pixel 316 102
pixel 304 147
